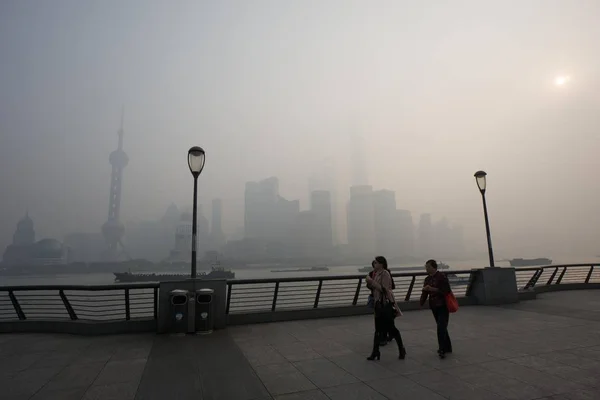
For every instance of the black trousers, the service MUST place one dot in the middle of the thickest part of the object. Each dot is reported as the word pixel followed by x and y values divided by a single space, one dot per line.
pixel 385 325
pixel 442 317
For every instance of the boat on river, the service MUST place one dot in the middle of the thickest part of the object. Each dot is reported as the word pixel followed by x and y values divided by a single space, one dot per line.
pixel 529 262
pixel 141 277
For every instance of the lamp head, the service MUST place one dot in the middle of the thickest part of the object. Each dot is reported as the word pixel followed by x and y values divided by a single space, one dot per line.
pixel 196 158
pixel 481 181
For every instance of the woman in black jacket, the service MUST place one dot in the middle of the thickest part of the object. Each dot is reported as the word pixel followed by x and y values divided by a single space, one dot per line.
pixel 384 337
pixel 386 308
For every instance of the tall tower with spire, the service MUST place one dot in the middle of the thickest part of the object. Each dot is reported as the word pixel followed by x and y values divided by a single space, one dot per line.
pixel 113 230
pixel 359 162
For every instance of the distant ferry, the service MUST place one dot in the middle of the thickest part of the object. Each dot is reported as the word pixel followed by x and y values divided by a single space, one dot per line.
pixel 301 269
pixel 529 262
pixel 215 273
pixel 457 280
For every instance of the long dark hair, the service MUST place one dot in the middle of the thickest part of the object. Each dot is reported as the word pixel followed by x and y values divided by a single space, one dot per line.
pixel 381 260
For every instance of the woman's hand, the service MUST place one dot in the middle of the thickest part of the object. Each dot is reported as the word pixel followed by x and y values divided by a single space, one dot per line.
pixel 430 289
pixel 369 279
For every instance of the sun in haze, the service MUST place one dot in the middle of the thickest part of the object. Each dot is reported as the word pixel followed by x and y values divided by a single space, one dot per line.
pixel 561 80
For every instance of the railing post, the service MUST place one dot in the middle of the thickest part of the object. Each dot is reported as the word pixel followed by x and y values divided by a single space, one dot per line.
pixel 589 275
pixel 410 288
pixel 68 306
pixel 533 279
pixel 156 303
pixel 552 276
pixel 127 309
pixel 318 293
pixel 229 285
pixel 469 284
pixel 16 305
pixel 357 293
pixel 275 296
pixel 561 275
pixel 539 275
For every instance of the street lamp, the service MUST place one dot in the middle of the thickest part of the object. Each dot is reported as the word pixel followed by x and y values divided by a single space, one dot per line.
pixel 481 183
pixel 196 158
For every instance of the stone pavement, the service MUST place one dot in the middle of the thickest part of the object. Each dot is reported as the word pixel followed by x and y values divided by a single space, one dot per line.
pixel 547 348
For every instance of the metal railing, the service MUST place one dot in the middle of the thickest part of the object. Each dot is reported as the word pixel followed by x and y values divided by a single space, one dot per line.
pixel 264 295
pixel 129 302
pixel 117 302
pixel 552 275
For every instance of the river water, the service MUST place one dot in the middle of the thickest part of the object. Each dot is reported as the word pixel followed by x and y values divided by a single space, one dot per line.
pixel 243 273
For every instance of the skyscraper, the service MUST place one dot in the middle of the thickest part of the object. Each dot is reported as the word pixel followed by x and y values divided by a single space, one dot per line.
pixel 361 225
pixel 260 200
pixel 425 236
pixel 268 217
pixel 113 229
pixel 386 228
pixel 324 180
pixel 217 237
pixel 406 233
pixel 359 162
pixel 320 206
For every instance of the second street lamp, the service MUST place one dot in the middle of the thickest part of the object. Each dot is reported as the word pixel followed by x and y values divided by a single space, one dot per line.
pixel 196 158
pixel 480 177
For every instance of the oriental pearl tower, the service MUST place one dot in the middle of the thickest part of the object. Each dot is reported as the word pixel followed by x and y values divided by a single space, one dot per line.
pixel 113 230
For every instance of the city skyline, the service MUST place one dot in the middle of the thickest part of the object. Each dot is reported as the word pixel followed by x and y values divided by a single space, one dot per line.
pixel 310 231
pixel 437 92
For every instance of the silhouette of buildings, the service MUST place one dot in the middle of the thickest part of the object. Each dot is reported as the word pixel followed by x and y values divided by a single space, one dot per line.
pixel 406 233
pixel 276 229
pixel 425 236
pixel 202 234
pixel 153 240
pixel 24 251
pixel 268 217
pixel 304 243
pixel 313 236
pixel 386 226
pixel 183 239
pixel 447 240
pixel 84 247
pixel 113 229
pixel 375 226
pixel 361 222
pixel 324 181
pixel 321 208
pixel 217 237
pixel 24 234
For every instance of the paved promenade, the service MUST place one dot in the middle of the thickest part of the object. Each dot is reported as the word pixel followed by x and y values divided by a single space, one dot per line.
pixel 542 349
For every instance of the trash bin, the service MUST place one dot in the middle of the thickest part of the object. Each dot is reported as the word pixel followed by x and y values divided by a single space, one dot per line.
pixel 204 311
pixel 178 315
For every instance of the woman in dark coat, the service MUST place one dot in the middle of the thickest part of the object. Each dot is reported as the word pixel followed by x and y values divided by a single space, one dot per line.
pixel 386 308
pixel 436 287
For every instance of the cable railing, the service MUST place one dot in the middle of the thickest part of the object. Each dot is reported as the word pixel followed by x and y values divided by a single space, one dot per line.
pixel 552 275
pixel 264 295
pixel 139 301
pixel 95 303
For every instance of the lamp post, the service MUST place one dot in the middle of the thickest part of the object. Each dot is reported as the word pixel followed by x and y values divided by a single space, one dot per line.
pixel 481 183
pixel 196 158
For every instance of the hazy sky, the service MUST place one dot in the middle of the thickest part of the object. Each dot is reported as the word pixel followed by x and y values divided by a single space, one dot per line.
pixel 437 89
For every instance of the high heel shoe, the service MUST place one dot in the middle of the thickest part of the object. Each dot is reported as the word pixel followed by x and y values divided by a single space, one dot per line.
pixel 374 356
pixel 402 354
